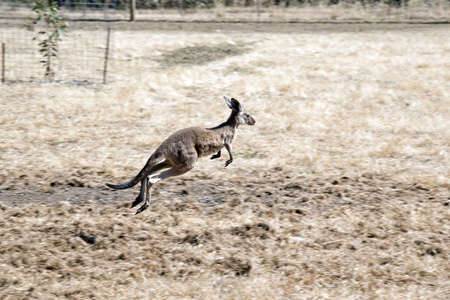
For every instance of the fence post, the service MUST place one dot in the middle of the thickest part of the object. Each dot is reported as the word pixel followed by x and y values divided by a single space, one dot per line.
pixel 258 5
pixel 105 68
pixel 132 9
pixel 3 62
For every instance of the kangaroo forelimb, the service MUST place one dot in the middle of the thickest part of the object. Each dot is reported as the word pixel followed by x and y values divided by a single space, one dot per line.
pixel 218 155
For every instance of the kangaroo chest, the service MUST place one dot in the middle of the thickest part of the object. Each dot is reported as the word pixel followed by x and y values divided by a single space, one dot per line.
pixel 215 140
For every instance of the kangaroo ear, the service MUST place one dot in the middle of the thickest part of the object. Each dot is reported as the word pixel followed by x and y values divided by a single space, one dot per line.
pixel 228 101
pixel 233 104
pixel 236 105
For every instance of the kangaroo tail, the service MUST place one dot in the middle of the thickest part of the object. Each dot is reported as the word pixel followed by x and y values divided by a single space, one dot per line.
pixel 123 185
pixel 152 161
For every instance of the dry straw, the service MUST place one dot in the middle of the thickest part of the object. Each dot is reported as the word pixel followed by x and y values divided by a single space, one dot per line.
pixel 340 190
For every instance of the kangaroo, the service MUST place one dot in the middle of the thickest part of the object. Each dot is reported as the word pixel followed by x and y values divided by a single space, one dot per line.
pixel 180 151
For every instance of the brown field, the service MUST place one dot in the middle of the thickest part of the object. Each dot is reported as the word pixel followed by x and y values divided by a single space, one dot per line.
pixel 340 191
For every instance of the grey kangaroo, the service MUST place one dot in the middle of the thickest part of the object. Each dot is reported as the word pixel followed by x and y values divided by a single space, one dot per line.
pixel 180 151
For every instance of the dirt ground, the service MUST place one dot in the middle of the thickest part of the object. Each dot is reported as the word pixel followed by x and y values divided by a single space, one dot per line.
pixel 255 233
pixel 273 27
pixel 384 238
pixel 248 26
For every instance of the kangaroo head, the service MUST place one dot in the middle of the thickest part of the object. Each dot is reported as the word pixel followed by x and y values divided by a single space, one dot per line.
pixel 243 117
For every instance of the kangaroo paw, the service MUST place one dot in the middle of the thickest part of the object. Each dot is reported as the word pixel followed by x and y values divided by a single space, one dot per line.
pixel 137 201
pixel 142 208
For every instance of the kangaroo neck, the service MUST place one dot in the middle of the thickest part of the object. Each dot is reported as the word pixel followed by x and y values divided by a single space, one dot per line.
pixel 232 123
pixel 233 120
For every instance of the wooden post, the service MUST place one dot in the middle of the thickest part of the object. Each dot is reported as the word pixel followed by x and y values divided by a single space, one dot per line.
pixel 3 62
pixel 180 7
pixel 404 8
pixel 49 70
pixel 132 10
pixel 105 67
pixel 258 5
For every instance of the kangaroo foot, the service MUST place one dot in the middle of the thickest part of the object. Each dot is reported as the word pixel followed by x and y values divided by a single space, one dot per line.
pixel 137 201
pixel 142 208
pixel 228 162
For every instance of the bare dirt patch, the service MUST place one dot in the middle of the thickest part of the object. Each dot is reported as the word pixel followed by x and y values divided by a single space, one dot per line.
pixel 202 54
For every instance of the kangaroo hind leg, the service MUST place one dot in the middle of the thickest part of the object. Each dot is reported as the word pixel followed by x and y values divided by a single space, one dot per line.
pixel 174 171
pixel 144 182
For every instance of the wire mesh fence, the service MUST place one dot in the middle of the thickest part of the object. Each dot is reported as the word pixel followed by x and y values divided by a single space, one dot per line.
pixel 242 10
pixel 70 9
pixel 83 55
pixel 295 10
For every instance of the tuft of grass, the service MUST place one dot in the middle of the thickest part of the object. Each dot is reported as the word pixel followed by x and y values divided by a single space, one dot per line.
pixel 202 54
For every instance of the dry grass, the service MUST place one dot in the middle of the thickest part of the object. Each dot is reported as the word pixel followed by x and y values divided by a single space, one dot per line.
pixel 340 190
pixel 341 103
